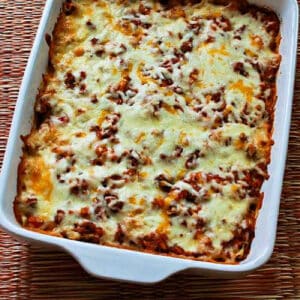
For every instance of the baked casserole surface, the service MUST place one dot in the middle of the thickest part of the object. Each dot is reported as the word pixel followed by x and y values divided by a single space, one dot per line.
pixel 153 127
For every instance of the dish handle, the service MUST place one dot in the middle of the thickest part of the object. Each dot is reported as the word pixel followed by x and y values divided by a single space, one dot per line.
pixel 124 265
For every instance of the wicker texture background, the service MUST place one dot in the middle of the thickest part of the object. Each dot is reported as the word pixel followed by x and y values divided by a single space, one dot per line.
pixel 31 273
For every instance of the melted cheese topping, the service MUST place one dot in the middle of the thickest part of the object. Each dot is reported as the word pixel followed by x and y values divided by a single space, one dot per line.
pixel 153 128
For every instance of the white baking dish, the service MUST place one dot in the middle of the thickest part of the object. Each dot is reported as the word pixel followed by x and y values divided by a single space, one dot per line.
pixel 135 266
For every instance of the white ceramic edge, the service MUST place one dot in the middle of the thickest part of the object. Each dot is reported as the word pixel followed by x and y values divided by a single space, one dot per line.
pixel 113 263
pixel 285 133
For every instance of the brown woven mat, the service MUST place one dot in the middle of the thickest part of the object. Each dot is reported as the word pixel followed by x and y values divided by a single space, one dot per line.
pixel 28 273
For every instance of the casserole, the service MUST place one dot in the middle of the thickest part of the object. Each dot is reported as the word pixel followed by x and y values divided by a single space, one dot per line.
pixel 252 261
pixel 137 143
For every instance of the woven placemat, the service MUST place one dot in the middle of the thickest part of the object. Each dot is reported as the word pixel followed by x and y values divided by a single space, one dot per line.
pixel 35 273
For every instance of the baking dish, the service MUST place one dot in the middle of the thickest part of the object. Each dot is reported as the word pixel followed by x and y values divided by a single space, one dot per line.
pixel 131 265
